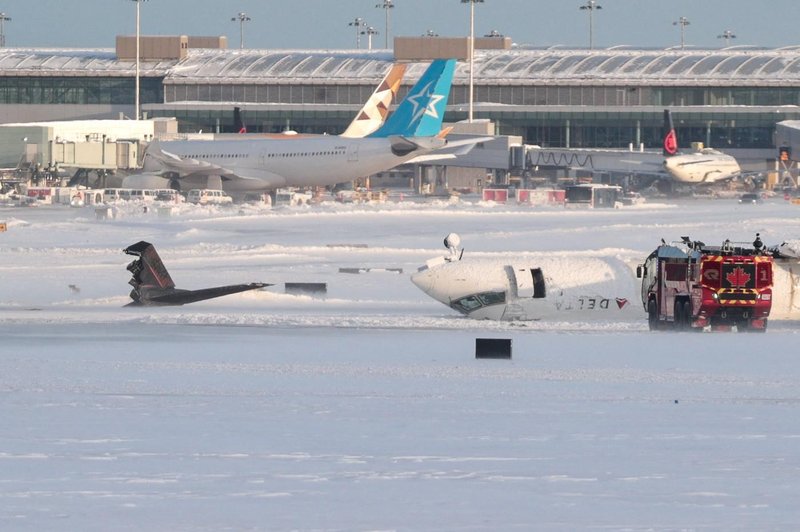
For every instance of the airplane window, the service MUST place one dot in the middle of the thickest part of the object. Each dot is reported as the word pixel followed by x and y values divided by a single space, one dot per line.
pixel 493 298
pixel 465 305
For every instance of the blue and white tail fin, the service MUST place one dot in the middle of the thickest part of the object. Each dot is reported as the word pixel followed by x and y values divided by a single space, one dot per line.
pixel 420 114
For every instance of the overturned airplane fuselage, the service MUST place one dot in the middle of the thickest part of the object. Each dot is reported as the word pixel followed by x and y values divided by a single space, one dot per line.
pixel 548 287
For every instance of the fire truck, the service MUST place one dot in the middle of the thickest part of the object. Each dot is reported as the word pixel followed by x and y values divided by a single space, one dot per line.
pixel 688 285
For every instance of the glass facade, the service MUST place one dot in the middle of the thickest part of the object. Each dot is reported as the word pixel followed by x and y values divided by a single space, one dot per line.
pixel 567 125
pixel 332 121
pixel 549 95
pixel 52 90
pixel 266 93
pixel 578 128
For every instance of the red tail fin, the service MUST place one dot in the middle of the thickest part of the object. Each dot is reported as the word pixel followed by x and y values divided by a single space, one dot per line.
pixel 670 137
pixel 238 123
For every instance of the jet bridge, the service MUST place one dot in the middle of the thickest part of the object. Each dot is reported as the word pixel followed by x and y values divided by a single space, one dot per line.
pixel 622 162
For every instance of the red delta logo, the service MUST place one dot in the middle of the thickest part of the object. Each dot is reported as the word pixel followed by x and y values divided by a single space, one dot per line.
pixel 621 302
pixel 671 143
pixel 738 278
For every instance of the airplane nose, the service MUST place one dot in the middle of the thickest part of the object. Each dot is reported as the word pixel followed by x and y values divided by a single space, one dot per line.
pixel 426 281
pixel 423 280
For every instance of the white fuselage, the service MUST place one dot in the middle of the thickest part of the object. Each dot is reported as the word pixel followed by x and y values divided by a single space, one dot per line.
pixel 785 289
pixel 542 288
pixel 267 164
pixel 701 167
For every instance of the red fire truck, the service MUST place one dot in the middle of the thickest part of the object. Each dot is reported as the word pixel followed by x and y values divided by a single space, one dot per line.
pixel 688 285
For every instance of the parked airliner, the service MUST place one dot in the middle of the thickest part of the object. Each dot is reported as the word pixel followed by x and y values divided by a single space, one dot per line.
pixel 696 168
pixel 259 164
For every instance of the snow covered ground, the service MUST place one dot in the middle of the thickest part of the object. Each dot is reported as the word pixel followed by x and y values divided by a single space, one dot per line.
pixel 366 409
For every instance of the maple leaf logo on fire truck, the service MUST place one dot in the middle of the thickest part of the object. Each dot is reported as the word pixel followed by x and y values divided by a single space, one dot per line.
pixel 738 278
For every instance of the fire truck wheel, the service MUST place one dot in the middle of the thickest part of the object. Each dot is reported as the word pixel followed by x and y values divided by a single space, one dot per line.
pixel 687 314
pixel 652 314
pixel 679 319
pixel 681 314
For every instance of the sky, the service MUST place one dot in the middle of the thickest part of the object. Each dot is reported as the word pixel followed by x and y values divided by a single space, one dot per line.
pixel 324 24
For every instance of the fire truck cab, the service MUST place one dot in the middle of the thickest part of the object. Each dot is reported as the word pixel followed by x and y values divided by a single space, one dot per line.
pixel 688 285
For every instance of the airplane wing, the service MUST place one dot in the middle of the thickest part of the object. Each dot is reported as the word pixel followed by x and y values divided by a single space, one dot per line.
pixel 179 297
pixel 451 150
pixel 186 165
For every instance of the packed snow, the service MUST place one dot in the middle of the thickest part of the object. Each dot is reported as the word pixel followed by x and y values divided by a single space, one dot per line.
pixel 365 408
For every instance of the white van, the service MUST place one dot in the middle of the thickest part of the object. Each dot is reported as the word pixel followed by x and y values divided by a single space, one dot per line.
pixel 205 196
pixel 168 195
pixel 142 195
pixel 113 195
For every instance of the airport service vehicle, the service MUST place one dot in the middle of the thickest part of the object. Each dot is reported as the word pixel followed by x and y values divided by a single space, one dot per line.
pixel 688 285
pixel 593 196
pixel 750 198
pixel 208 197
pixel 564 286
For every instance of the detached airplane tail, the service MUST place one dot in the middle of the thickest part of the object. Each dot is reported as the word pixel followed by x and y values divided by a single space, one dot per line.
pixel 374 112
pixel 421 112
pixel 152 284
pixel 670 147
pixel 148 269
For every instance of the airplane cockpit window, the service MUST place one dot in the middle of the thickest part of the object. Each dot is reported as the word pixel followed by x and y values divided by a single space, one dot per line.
pixel 467 304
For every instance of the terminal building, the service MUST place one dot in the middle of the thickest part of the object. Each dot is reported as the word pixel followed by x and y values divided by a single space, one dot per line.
pixel 730 99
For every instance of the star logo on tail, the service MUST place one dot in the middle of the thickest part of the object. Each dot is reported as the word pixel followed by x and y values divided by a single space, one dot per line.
pixel 425 94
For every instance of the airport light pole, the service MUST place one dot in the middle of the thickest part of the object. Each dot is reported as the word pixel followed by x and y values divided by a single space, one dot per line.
pixel 471 52
pixel 369 32
pixel 386 5
pixel 138 58
pixel 359 23
pixel 3 19
pixel 241 18
pixel 682 22
pixel 591 6
pixel 727 35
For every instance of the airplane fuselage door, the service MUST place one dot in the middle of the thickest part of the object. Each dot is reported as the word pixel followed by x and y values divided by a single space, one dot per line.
pixel 530 282
pixel 352 153
pixel 524 281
